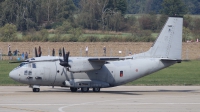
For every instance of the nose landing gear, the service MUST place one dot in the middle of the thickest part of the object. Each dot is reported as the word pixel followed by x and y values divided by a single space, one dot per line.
pixel 36 88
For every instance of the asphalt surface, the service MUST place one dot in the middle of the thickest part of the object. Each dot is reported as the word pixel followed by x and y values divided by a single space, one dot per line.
pixel 117 99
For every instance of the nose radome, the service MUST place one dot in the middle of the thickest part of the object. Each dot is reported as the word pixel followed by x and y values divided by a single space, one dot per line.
pixel 13 75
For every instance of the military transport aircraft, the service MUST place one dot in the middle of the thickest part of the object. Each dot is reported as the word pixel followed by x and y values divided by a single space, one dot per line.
pixel 102 72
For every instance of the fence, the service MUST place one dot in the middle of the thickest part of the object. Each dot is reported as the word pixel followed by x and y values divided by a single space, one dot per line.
pixel 77 53
pixel 190 51
pixel 1 53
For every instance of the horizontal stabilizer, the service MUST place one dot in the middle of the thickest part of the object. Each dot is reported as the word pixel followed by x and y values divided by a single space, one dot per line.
pixel 178 61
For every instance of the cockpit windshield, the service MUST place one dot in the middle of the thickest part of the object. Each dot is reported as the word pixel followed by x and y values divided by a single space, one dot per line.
pixel 26 65
pixel 23 65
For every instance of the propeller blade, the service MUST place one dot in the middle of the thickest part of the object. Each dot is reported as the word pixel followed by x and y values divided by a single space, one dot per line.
pixel 39 51
pixel 64 62
pixel 63 54
pixel 18 61
pixel 67 56
pixel 67 59
pixel 36 55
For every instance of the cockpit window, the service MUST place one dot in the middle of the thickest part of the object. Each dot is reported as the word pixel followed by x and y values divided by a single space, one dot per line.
pixel 33 65
pixel 26 65
pixel 22 64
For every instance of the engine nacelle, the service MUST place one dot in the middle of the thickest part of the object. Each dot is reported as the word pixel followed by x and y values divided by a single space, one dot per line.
pixel 83 65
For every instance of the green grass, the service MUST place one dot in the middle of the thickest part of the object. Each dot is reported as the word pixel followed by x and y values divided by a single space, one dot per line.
pixel 5 68
pixel 96 35
pixel 185 73
pixel 155 35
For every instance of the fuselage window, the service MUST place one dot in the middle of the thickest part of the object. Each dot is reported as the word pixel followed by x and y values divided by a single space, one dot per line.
pixel 29 72
pixel 121 74
pixel 34 65
pixel 25 72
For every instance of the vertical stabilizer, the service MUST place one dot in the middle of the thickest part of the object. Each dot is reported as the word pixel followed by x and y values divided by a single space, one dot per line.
pixel 169 42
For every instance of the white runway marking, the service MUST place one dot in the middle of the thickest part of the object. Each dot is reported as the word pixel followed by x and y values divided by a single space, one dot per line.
pixel 6 92
pixel 31 104
pixel 89 103
pixel 101 104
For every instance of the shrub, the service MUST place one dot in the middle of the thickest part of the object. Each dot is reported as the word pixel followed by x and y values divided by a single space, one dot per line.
pixel 55 38
pixel 92 39
pixel 65 28
pixel 8 33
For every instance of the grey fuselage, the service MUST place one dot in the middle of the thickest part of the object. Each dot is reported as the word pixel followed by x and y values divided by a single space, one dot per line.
pixel 112 73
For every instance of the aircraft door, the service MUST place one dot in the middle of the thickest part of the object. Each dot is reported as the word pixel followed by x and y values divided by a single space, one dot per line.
pixel 38 74
pixel 110 75
pixel 25 73
pixel 61 74
pixel 49 73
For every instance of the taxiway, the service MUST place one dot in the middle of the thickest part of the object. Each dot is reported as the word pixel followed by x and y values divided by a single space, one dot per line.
pixel 116 99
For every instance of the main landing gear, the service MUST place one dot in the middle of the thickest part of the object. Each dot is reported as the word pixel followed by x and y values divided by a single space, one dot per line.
pixel 36 89
pixel 73 89
pixel 84 89
pixel 96 89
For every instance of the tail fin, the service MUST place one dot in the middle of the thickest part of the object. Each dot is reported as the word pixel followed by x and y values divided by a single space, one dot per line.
pixel 169 42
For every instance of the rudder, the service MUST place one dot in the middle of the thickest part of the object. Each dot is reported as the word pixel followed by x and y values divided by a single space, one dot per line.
pixel 169 42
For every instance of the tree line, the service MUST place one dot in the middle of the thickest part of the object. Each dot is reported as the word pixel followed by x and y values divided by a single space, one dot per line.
pixel 37 19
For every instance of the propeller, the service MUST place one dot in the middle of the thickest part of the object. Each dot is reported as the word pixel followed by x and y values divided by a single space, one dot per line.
pixel 36 55
pixel 39 53
pixel 66 58
pixel 19 61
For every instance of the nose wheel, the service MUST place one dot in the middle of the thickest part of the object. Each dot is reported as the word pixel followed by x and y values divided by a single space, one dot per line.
pixel 36 89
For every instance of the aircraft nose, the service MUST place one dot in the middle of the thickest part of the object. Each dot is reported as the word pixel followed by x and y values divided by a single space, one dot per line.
pixel 13 75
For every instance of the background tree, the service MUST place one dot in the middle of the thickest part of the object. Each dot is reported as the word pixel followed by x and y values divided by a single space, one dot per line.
pixel 121 5
pixel 135 6
pixel 154 6
pixel 101 14
pixel 193 6
pixel 174 7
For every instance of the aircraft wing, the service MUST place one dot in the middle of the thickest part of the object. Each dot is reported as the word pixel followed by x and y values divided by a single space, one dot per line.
pixel 103 59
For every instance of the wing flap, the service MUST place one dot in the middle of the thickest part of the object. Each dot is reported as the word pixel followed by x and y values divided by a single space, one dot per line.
pixel 103 59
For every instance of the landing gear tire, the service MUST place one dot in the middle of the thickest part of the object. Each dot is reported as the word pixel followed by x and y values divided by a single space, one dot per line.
pixel 84 89
pixel 73 89
pixel 96 89
pixel 36 89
